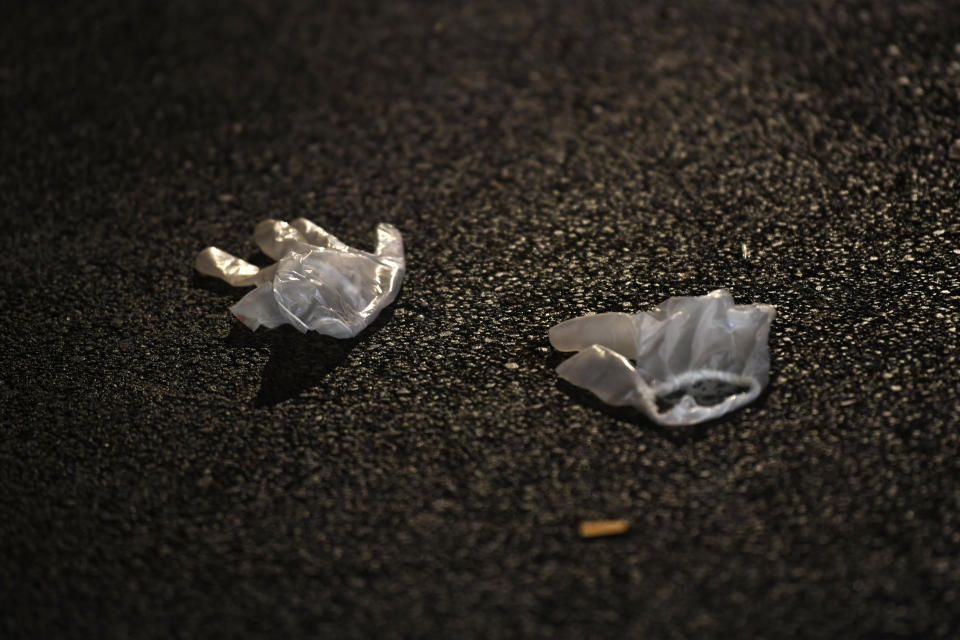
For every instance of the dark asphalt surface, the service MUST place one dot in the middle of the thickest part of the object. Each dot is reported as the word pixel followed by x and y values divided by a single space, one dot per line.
pixel 166 473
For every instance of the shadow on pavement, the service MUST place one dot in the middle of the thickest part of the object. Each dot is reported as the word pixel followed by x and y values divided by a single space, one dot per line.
pixel 298 361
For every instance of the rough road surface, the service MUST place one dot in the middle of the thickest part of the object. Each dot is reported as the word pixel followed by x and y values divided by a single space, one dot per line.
pixel 164 472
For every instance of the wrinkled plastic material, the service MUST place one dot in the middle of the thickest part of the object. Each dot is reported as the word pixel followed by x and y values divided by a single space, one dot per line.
pixel 694 358
pixel 318 283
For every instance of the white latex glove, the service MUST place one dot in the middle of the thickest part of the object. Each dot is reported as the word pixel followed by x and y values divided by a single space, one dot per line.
pixel 704 355
pixel 318 283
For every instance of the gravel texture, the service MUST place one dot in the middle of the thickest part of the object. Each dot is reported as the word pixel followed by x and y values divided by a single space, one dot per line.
pixel 164 472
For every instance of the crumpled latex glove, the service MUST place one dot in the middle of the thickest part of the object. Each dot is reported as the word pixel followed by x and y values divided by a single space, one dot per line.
pixel 318 283
pixel 693 358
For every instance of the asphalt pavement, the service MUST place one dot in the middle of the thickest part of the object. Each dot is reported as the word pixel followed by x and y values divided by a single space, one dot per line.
pixel 165 472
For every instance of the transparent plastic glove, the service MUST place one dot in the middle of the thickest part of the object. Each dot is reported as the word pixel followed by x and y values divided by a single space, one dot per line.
pixel 694 358
pixel 318 283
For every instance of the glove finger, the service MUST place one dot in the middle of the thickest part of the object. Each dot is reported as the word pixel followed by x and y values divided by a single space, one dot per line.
pixel 317 235
pixel 612 330
pixel 607 374
pixel 389 243
pixel 276 238
pixel 231 269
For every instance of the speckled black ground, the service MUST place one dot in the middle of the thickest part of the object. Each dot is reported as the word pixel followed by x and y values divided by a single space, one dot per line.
pixel 165 473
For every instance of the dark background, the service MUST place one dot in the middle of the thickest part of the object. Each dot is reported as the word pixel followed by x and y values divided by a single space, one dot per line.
pixel 165 472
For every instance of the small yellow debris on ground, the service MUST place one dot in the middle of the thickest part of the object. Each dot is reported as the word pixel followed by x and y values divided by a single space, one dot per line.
pixel 599 528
